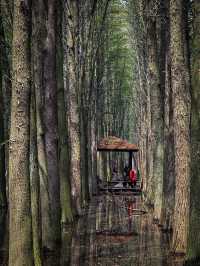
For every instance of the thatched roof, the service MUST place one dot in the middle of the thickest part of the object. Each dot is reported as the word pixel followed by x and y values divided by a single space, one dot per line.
pixel 116 144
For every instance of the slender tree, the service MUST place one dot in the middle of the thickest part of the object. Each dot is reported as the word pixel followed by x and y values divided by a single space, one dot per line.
pixel 65 193
pixel 73 98
pixel 2 132
pixel 51 122
pixel 38 47
pixel 182 106
pixel 20 237
pixel 2 157
pixel 168 164
pixel 34 165
pixel 194 232
pixel 35 185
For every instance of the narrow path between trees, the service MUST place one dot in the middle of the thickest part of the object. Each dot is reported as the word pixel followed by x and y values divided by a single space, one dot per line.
pixel 116 231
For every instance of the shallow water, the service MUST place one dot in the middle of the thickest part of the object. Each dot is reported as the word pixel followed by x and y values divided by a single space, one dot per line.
pixel 3 238
pixel 115 231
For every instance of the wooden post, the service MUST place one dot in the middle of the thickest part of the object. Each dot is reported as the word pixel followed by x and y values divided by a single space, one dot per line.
pixel 135 162
pixel 130 159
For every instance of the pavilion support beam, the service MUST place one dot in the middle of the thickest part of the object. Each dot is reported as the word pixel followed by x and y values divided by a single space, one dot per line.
pixel 130 159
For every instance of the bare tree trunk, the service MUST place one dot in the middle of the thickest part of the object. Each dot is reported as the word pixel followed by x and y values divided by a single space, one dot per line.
pixel 51 122
pixel 35 185
pixel 20 237
pixel 6 43
pixel 155 120
pixel 142 131
pixel 38 39
pixel 84 157
pixel 35 172
pixel 182 106
pixel 2 153
pixel 2 132
pixel 66 208
pixel 73 101
pixel 194 230
pixel 94 154
pixel 168 177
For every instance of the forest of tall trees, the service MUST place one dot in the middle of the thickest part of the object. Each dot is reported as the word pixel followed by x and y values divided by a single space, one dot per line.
pixel 73 72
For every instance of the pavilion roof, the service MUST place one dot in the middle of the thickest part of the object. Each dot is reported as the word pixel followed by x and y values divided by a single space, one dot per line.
pixel 113 143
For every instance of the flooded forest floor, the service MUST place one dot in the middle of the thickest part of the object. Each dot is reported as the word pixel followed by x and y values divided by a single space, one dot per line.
pixel 116 230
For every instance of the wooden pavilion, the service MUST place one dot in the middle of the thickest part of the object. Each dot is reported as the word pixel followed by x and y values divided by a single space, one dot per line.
pixel 119 145
pixel 115 144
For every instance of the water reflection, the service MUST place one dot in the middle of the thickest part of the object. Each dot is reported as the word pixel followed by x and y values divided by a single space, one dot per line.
pixel 3 238
pixel 66 245
pixel 116 232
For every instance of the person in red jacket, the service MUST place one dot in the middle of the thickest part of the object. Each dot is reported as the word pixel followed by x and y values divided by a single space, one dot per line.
pixel 132 177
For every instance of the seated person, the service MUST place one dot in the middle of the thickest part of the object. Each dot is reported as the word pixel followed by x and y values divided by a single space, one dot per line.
pixel 132 177
pixel 125 175
pixel 115 175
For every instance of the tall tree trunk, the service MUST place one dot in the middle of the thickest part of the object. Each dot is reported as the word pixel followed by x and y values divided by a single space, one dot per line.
pixel 51 122
pixel 168 177
pixel 157 107
pixel 2 132
pixel 155 120
pixel 2 156
pixel 73 100
pixel 35 172
pixel 94 154
pixel 194 230
pixel 2 153
pixel 151 79
pixel 66 213
pixel 182 106
pixel 38 40
pixel 84 157
pixel 142 113
pixel 20 237
pixel 35 185
pixel 6 42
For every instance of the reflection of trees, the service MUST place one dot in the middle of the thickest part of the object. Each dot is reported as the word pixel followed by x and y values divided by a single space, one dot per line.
pixel 3 237
pixel 117 232
pixel 113 233
pixel 75 245
pixel 91 229
pixel 83 242
pixel 149 243
pixel 2 226
pixel 66 246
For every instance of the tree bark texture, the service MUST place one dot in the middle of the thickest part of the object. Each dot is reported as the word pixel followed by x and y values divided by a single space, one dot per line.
pixel 64 163
pixel 182 106
pixel 2 132
pixel 157 106
pixel 168 173
pixel 36 174
pixel 155 119
pixel 35 185
pixel 194 230
pixel 73 101
pixel 2 156
pixel 38 43
pixel 20 237
pixel 51 122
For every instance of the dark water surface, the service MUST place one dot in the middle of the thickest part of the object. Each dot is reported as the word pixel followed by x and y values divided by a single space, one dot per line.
pixel 115 231
pixel 3 238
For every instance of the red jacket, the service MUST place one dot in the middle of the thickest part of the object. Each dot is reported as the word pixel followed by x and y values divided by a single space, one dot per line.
pixel 132 175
